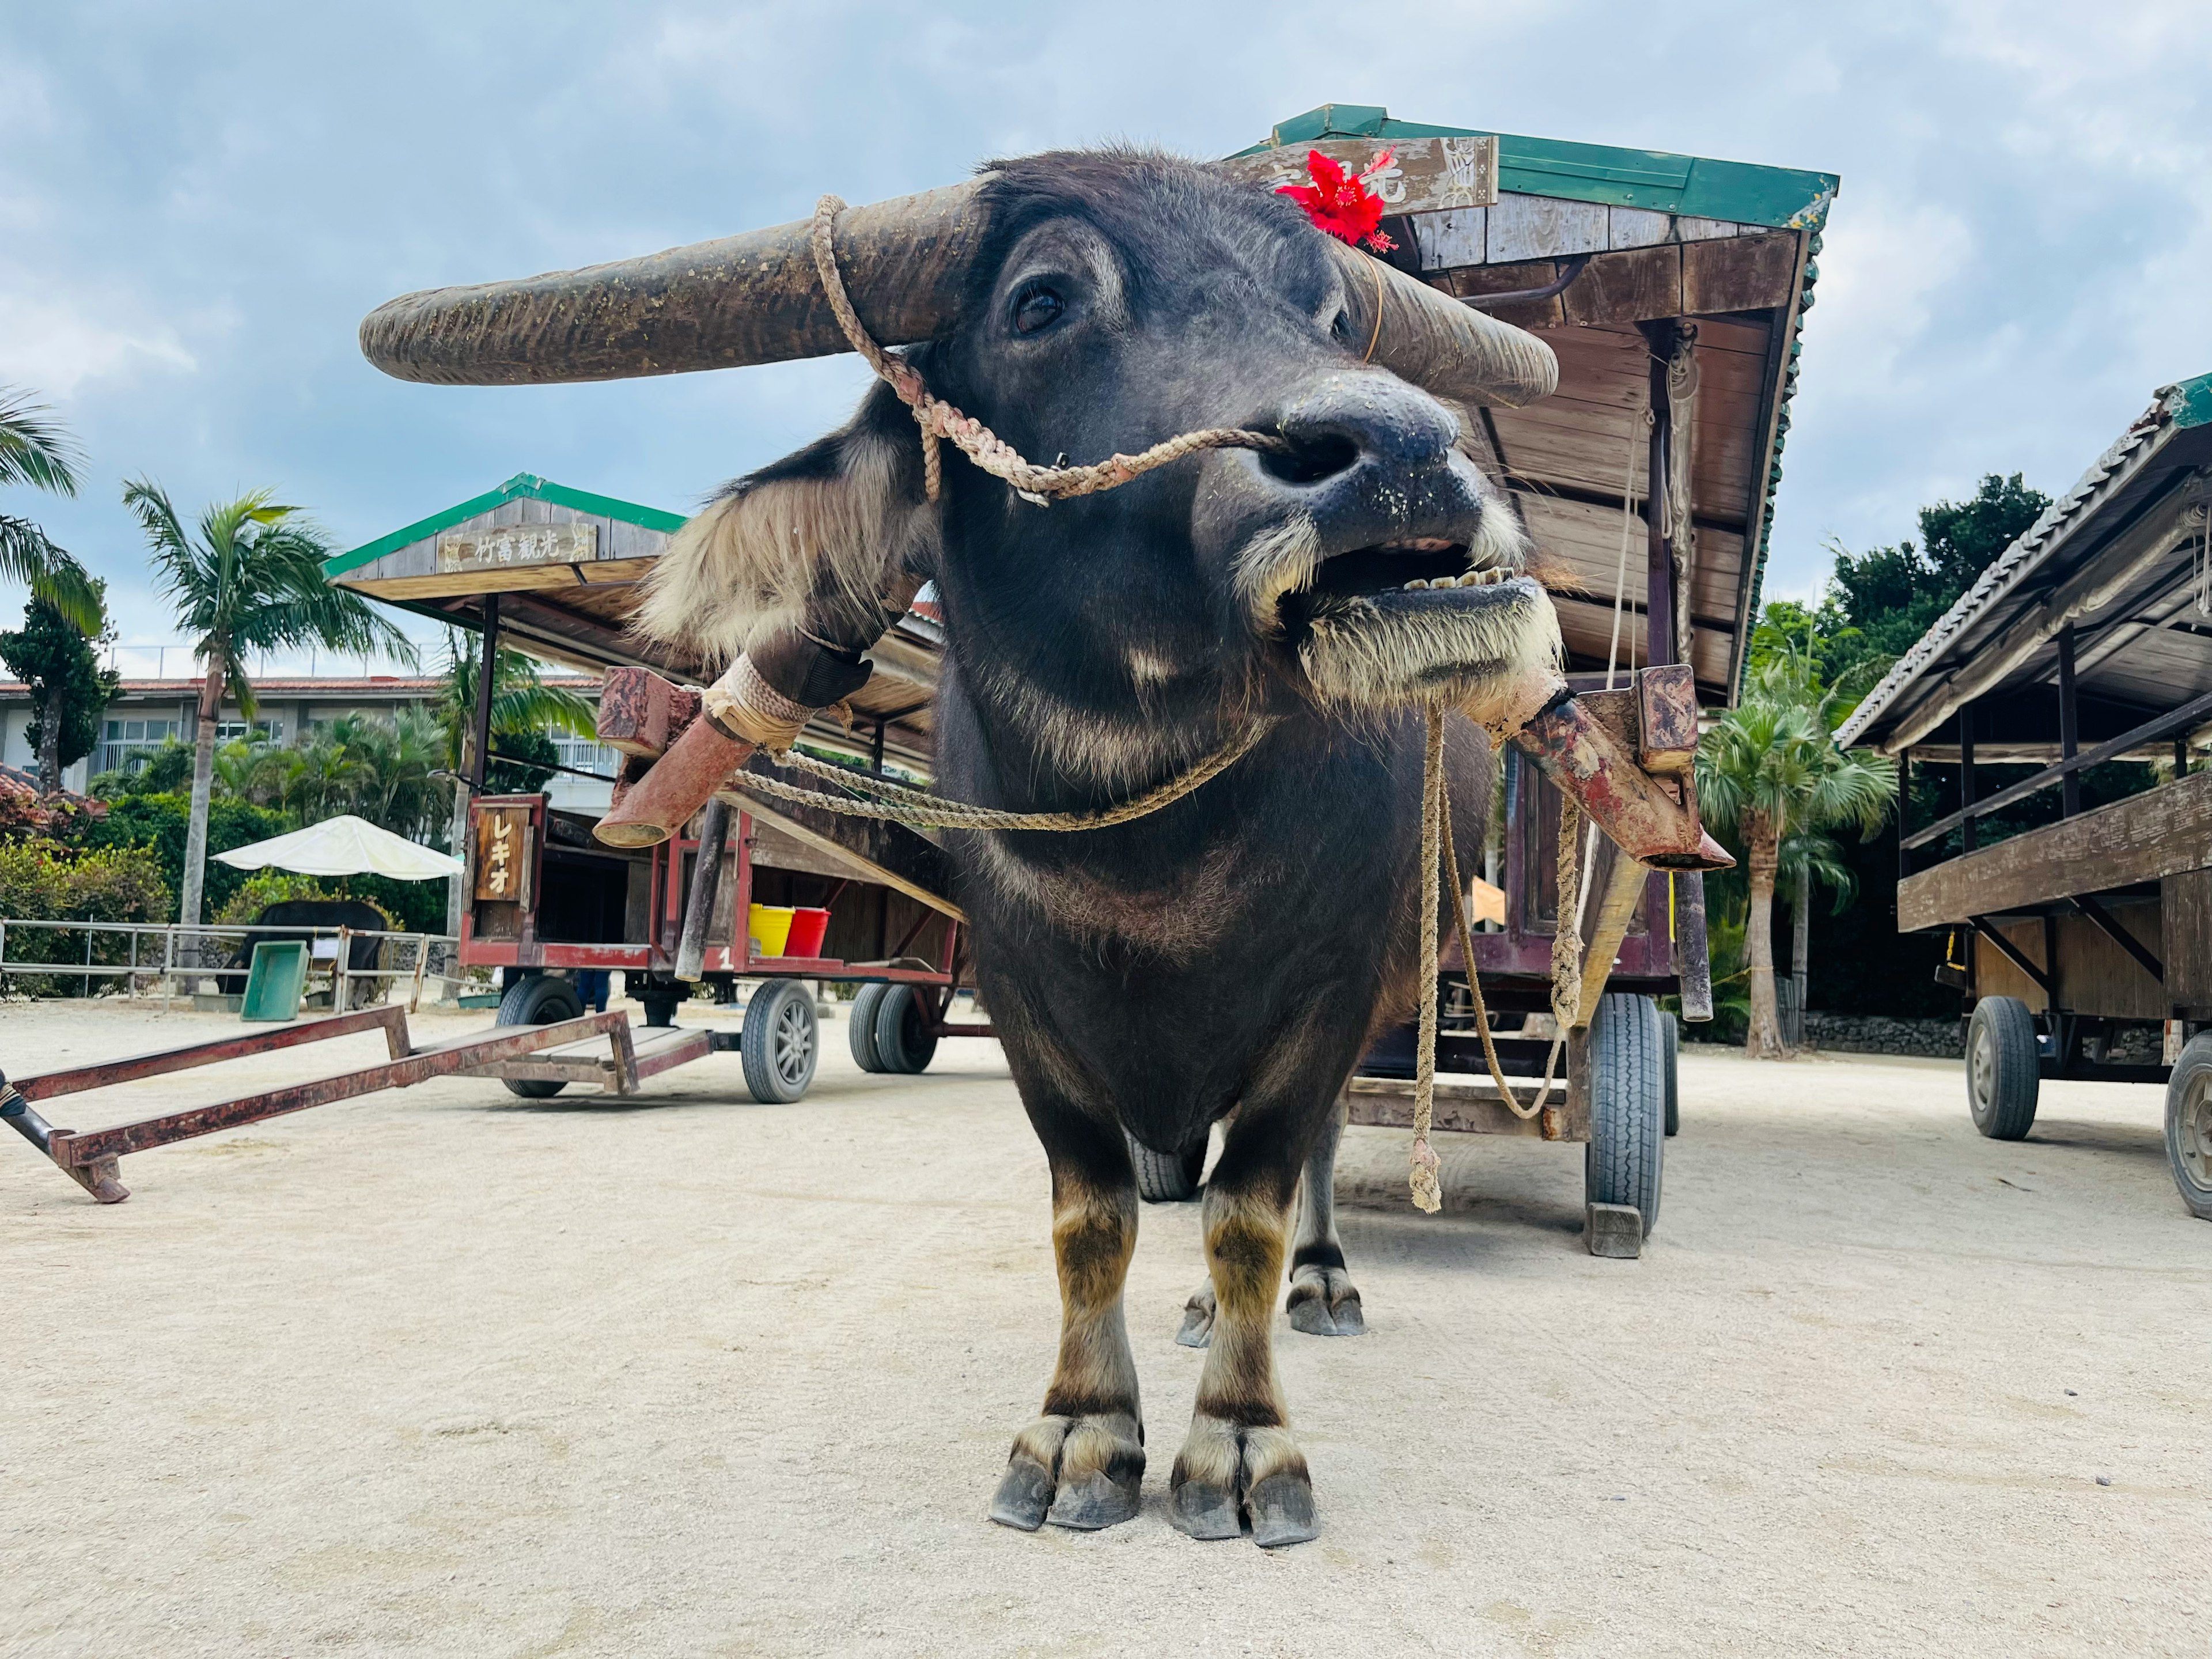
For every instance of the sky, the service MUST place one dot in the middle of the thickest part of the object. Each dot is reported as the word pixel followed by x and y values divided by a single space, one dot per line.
pixel 198 203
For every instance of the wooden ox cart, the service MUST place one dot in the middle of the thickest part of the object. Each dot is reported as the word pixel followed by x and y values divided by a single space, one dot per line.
pixel 2082 944
pixel 1671 289
pixel 537 566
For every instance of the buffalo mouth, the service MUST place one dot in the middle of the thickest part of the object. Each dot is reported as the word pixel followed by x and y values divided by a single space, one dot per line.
pixel 1409 578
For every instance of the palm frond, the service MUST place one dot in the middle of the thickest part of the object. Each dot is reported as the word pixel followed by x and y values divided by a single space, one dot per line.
pixel 29 557
pixel 35 449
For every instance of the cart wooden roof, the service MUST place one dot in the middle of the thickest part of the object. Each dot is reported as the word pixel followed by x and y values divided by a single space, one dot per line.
pixel 2121 558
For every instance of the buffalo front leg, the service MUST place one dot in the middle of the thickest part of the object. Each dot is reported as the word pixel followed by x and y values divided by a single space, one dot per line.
pixel 1322 1301
pixel 1082 1462
pixel 1240 1461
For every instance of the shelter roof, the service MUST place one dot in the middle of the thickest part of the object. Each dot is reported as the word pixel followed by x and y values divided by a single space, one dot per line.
pixel 2117 556
pixel 1784 197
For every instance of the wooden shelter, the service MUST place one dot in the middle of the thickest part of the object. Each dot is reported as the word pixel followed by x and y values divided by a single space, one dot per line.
pixel 2088 640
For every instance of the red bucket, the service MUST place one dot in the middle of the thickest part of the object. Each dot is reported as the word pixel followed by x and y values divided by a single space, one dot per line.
pixel 807 928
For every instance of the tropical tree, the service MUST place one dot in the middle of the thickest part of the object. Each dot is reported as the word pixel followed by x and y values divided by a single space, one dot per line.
pixel 1769 772
pixel 523 707
pixel 35 451
pixel 251 579
pixel 70 688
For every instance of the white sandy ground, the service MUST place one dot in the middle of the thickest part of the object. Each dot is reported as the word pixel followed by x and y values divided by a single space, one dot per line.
pixel 446 1372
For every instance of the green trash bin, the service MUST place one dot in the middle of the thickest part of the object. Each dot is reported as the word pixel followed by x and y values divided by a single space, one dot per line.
pixel 275 982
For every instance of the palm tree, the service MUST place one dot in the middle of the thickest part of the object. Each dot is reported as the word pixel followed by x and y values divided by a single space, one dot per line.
pixel 252 580
pixel 1768 772
pixel 36 452
pixel 521 702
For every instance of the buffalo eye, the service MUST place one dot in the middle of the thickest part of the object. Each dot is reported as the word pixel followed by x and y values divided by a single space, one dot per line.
pixel 1036 306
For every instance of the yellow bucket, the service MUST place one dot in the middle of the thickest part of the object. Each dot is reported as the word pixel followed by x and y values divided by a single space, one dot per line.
pixel 770 926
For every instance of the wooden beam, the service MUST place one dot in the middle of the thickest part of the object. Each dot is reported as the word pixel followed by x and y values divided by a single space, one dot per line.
pixel 2109 925
pixel 2143 838
pixel 1989 931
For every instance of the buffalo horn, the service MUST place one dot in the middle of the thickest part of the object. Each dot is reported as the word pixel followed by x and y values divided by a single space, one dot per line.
pixel 725 304
pixel 1439 344
pixel 756 298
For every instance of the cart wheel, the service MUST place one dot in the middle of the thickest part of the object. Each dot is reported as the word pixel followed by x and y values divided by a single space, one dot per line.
pixel 860 1029
pixel 904 1042
pixel 2189 1124
pixel 778 1043
pixel 540 999
pixel 1628 1105
pixel 1673 1056
pixel 1166 1178
pixel 2002 1077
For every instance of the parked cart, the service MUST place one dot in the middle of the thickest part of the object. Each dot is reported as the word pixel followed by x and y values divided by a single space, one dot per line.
pixel 2082 946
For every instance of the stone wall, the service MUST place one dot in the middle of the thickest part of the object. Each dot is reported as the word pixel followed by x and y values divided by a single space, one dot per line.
pixel 1878 1033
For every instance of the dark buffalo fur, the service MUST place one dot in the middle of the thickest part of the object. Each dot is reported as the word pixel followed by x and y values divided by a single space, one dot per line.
pixel 1234 951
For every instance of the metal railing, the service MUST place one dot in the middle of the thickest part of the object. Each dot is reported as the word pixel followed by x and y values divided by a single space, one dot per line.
pixel 169 952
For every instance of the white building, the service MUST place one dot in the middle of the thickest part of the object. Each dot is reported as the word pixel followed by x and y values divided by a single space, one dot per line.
pixel 149 712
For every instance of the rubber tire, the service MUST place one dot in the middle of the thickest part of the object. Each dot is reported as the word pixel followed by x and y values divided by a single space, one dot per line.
pixel 904 1042
pixel 539 999
pixel 860 1029
pixel 2193 1069
pixel 1628 1105
pixel 1674 1083
pixel 1167 1178
pixel 2001 1041
pixel 772 1014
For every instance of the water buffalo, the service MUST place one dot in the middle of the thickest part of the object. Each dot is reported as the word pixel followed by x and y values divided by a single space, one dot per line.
pixel 1229 956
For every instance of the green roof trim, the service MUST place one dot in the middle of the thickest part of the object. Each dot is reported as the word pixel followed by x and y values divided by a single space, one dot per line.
pixel 2191 402
pixel 1787 198
pixel 521 485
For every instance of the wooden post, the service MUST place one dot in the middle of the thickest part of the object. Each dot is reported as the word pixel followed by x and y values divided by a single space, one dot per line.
pixel 1660 643
pixel 876 750
pixel 485 672
pixel 2070 725
pixel 1904 813
pixel 1966 777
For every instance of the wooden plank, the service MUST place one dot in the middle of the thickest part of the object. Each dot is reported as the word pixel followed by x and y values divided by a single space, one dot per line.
pixel 2185 933
pixel 2145 837
pixel 1628 226
pixel 1545 226
pixel 1690 228
pixel 1627 287
pixel 1452 238
pixel 1743 273
pixel 1424 175
pixel 513 579
pixel 1461 1108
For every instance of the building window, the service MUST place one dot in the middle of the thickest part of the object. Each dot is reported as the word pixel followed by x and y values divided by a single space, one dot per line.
pixel 260 731
pixel 585 756
pixel 125 744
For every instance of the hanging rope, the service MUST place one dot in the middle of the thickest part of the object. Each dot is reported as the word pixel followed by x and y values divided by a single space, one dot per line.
pixel 940 420
pixel 879 798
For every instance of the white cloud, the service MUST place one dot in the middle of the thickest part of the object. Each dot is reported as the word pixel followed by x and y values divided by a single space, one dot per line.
pixel 54 345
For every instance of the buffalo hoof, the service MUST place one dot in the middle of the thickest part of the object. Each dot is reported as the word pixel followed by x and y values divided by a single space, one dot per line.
pixel 1323 1302
pixel 1197 1319
pixel 1023 1495
pixel 1083 1472
pixel 1229 1478
pixel 1282 1511
pixel 1205 1511
pixel 1098 1502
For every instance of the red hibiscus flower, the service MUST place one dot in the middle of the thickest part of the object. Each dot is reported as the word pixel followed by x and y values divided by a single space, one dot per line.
pixel 1340 204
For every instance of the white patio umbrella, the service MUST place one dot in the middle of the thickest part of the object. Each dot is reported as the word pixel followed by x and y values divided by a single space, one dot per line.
pixel 345 846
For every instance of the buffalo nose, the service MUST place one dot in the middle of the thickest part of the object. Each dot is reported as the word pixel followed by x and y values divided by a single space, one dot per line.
pixel 1351 424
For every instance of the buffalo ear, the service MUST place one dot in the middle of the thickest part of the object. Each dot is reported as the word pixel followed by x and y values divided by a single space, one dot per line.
pixel 827 541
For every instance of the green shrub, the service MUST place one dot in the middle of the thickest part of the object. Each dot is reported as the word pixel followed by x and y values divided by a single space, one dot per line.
pixel 44 881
